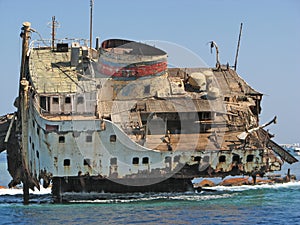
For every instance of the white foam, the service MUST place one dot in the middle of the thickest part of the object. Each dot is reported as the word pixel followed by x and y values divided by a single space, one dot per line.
pixel 166 196
pixel 19 191
pixel 255 187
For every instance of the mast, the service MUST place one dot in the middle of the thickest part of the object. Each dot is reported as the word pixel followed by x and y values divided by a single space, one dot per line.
pixel 53 32
pixel 238 47
pixel 25 35
pixel 91 21
pixel 22 115
pixel 23 110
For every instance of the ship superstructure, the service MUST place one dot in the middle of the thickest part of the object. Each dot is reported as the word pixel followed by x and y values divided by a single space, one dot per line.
pixel 117 119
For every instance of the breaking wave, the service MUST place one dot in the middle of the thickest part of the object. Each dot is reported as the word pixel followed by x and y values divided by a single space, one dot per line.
pixel 19 191
pixel 291 184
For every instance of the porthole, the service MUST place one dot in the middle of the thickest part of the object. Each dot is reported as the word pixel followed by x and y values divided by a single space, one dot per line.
pixel 168 159
pixel 113 161
pixel 236 158
pixel 113 138
pixel 135 161
pixel 61 139
pixel 197 158
pixel 147 89
pixel 222 158
pixel 55 100
pixel 250 158
pixel 67 162
pixel 86 162
pixel 89 138
pixel 145 160
pixel 68 100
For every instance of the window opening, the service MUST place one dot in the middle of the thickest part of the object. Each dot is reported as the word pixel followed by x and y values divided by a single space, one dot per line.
pixel 43 103
pixel 197 158
pixel 67 162
pixel 222 158
pixel 61 139
pixel 168 159
pixel 250 158
pixel 145 160
pixel 89 138
pixel 236 158
pixel 113 138
pixel 55 100
pixel 68 100
pixel 86 162
pixel 51 127
pixel 135 161
pixel 147 89
pixel 113 161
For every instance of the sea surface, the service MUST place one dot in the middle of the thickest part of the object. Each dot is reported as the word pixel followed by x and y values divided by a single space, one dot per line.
pixel 260 204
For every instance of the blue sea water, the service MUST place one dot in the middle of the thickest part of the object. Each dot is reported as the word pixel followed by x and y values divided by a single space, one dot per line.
pixel 261 204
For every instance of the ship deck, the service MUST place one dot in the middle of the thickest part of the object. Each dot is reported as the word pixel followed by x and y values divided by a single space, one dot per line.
pixel 195 142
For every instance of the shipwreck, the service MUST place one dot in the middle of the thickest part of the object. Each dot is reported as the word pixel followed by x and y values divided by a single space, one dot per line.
pixel 116 119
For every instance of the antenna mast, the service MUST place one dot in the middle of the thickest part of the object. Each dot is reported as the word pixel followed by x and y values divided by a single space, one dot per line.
pixel 91 21
pixel 238 47
pixel 53 25
pixel 53 31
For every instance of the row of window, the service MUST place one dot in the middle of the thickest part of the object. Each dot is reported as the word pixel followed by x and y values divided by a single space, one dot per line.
pixel 86 162
pixel 236 158
pixel 55 100
pixel 145 160
pixel 88 138
pixel 222 158
pixel 113 161
pixel 37 129
pixel 136 160
pixel 61 139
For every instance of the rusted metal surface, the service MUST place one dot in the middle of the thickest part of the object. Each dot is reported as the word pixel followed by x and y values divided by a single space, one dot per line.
pixel 85 131
pixel 285 155
pixel 5 122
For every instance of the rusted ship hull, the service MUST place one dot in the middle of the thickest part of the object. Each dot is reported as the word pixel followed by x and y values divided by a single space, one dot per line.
pixel 72 188
pixel 117 120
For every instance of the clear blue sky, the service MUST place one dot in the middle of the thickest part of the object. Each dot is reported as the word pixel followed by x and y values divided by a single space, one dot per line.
pixel 269 55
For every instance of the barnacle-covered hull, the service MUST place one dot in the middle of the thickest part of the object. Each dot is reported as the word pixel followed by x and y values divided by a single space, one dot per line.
pixel 116 119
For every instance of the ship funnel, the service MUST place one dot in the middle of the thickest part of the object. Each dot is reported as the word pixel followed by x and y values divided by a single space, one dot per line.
pixel 125 59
